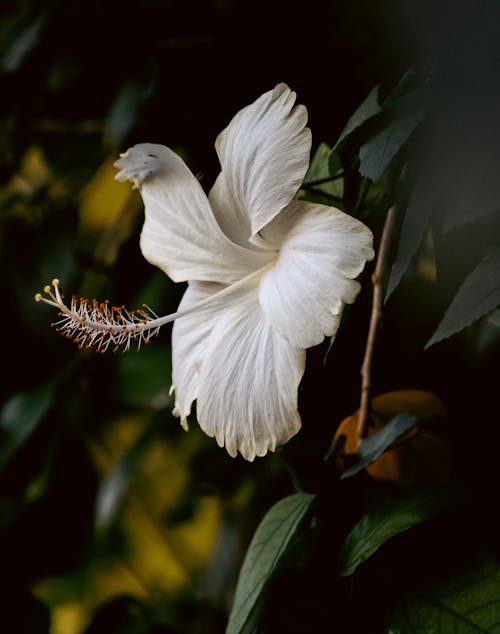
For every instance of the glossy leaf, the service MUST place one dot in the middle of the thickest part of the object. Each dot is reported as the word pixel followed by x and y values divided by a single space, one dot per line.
pixel 389 518
pixel 372 447
pixel 478 296
pixel 466 602
pixel 273 535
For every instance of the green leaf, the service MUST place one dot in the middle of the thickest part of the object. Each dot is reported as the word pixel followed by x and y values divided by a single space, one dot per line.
pixel 272 537
pixel 20 417
pixel 369 108
pixel 478 296
pixel 143 378
pixel 372 447
pixel 466 602
pixel 404 114
pixel 390 517
pixel 318 170
pixel 416 221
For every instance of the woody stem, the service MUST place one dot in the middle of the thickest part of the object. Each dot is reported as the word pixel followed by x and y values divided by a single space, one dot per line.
pixel 375 318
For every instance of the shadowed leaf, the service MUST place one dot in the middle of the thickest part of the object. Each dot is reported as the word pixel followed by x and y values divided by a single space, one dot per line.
pixel 388 518
pixel 467 602
pixel 478 296
pixel 417 217
pixel 405 113
pixel 366 110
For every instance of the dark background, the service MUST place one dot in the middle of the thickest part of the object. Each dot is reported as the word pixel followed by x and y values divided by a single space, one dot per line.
pixel 82 81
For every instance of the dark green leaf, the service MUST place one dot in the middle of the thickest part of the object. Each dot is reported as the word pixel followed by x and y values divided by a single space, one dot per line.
pixel 388 518
pixel 466 602
pixel 404 114
pixel 417 217
pixel 273 535
pixel 370 448
pixel 20 417
pixel 478 296
pixel 369 108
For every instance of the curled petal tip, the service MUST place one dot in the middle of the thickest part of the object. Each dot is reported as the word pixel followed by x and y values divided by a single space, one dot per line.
pixel 138 163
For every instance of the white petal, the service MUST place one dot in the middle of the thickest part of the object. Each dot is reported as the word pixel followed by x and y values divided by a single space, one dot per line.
pixel 180 234
pixel 264 155
pixel 248 383
pixel 322 251
pixel 189 341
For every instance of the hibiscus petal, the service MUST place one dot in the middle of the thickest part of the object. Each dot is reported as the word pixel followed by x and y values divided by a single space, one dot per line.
pixel 264 155
pixel 248 382
pixel 189 341
pixel 180 234
pixel 321 252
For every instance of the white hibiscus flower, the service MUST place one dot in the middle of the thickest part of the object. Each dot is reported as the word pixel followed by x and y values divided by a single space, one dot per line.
pixel 268 275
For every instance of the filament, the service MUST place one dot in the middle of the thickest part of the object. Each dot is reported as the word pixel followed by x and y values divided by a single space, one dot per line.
pixel 99 325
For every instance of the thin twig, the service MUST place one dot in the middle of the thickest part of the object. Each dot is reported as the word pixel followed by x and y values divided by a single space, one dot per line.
pixel 375 318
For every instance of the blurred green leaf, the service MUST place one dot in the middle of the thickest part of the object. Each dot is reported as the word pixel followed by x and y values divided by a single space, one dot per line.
pixel 143 378
pixel 114 486
pixel 388 518
pixel 20 417
pixel 477 296
pixel 273 535
pixel 124 111
pixel 370 448
pixel 466 602
pixel 22 44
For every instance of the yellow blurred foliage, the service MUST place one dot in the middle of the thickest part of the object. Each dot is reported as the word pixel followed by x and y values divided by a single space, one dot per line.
pixel 34 172
pixel 158 559
pixel 103 199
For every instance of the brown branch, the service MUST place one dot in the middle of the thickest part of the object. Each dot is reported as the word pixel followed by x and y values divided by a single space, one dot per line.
pixel 375 318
